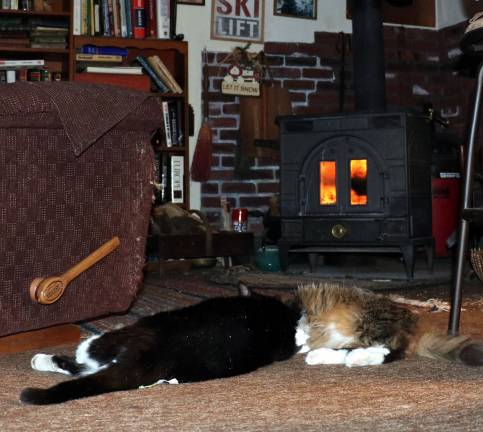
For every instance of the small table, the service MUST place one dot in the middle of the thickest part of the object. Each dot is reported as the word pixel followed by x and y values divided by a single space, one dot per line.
pixel 224 244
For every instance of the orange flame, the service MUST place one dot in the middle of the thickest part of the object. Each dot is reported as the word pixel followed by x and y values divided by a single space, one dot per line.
pixel 358 169
pixel 328 191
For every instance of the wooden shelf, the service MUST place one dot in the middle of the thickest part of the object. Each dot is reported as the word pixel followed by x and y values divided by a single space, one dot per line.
pixel 167 44
pixel 34 13
pixel 34 50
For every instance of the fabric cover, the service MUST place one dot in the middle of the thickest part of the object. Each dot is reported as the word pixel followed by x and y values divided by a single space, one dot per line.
pixel 76 168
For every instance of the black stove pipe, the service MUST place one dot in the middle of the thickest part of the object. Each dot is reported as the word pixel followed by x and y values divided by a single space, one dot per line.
pixel 368 55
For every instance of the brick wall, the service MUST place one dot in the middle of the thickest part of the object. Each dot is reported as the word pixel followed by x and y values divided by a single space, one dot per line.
pixel 419 69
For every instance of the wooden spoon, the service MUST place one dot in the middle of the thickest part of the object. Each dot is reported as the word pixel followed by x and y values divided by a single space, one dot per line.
pixel 48 290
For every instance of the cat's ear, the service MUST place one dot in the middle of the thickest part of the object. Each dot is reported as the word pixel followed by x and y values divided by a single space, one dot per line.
pixel 244 291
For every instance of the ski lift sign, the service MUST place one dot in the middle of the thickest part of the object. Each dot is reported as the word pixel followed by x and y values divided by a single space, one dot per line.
pixel 237 20
pixel 239 80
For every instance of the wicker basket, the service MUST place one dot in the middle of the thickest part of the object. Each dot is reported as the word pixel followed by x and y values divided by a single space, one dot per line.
pixel 477 262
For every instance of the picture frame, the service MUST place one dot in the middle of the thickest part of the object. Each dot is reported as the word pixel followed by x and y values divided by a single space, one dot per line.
pixel 306 9
pixel 231 22
pixel 191 2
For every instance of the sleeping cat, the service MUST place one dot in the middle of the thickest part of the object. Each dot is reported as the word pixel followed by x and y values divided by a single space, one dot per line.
pixel 357 327
pixel 223 337
pixel 215 338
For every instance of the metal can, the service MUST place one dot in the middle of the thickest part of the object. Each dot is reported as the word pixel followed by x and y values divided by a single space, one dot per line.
pixel 239 219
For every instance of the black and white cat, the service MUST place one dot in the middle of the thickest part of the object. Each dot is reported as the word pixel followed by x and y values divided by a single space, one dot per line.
pixel 215 338
pixel 223 337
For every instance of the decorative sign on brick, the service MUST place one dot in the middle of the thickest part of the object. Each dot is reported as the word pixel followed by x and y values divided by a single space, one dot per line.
pixel 237 20
pixel 241 81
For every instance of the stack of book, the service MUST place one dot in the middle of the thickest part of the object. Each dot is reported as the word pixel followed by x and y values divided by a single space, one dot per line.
pixel 34 32
pixel 160 74
pixel 48 37
pixel 137 19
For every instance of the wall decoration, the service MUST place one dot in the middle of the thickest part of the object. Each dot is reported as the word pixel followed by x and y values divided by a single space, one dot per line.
pixel 191 2
pixel 237 20
pixel 296 8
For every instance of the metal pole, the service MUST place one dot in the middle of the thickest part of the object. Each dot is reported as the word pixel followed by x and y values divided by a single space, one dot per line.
pixel 454 319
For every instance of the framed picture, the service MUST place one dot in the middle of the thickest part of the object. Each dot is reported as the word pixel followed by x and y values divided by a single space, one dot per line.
pixel 296 8
pixel 236 20
pixel 191 2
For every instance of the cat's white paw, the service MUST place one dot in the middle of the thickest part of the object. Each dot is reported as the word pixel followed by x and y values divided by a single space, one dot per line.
pixel 44 363
pixel 366 356
pixel 326 356
pixel 302 332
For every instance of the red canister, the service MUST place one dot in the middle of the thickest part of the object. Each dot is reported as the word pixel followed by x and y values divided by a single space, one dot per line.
pixel 239 219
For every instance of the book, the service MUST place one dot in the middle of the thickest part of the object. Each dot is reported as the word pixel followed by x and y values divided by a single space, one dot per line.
pixel 152 74
pixel 98 58
pixel 139 19
pixel 164 73
pixel 177 179
pixel 76 20
pixel 122 70
pixel 93 49
pixel 166 124
pixel 21 63
pixel 163 19
pixel 137 82
pixel 150 7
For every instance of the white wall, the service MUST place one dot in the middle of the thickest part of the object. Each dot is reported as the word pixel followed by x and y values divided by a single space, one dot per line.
pixel 194 23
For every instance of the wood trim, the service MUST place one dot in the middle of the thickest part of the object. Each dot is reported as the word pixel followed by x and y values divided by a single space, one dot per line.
pixel 52 336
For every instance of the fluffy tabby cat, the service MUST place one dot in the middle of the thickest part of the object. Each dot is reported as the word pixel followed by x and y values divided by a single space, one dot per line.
pixel 224 337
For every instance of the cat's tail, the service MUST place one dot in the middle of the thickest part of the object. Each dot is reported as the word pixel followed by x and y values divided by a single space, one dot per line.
pixel 461 349
pixel 101 382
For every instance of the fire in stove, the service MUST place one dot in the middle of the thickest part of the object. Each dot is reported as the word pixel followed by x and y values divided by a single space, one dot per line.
pixel 358 182
pixel 358 168
pixel 328 189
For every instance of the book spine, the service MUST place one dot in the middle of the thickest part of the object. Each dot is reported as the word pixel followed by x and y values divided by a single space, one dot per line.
pixel 173 84
pixel 39 62
pixel 115 18
pixel 11 77
pixel 167 124
pixel 128 7
pixel 98 58
pixel 173 118
pixel 163 19
pixel 97 18
pixel 148 69
pixel 180 116
pixel 106 28
pixel 92 49
pixel 177 179
pixel 139 18
pixel 122 11
pixel 76 30
pixel 151 18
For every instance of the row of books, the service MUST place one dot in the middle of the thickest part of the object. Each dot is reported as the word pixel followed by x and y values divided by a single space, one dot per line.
pixel 169 178
pixel 10 76
pixel 101 61
pixel 136 19
pixel 27 5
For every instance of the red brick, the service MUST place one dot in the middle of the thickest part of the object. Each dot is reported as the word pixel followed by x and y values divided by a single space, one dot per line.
pixel 299 85
pixel 232 108
pixel 223 123
pixel 280 48
pixel 268 188
pixel 230 188
pixel 210 188
pixel 283 72
pixel 318 73
pixel 254 201
pixel 227 161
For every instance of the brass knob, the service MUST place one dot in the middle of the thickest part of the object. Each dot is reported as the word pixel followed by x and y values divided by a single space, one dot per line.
pixel 339 231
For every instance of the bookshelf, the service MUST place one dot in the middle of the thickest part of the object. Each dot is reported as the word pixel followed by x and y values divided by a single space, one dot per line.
pixel 57 58
pixel 173 53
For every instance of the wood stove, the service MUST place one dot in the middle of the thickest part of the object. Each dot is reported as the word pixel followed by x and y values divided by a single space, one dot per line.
pixel 357 182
